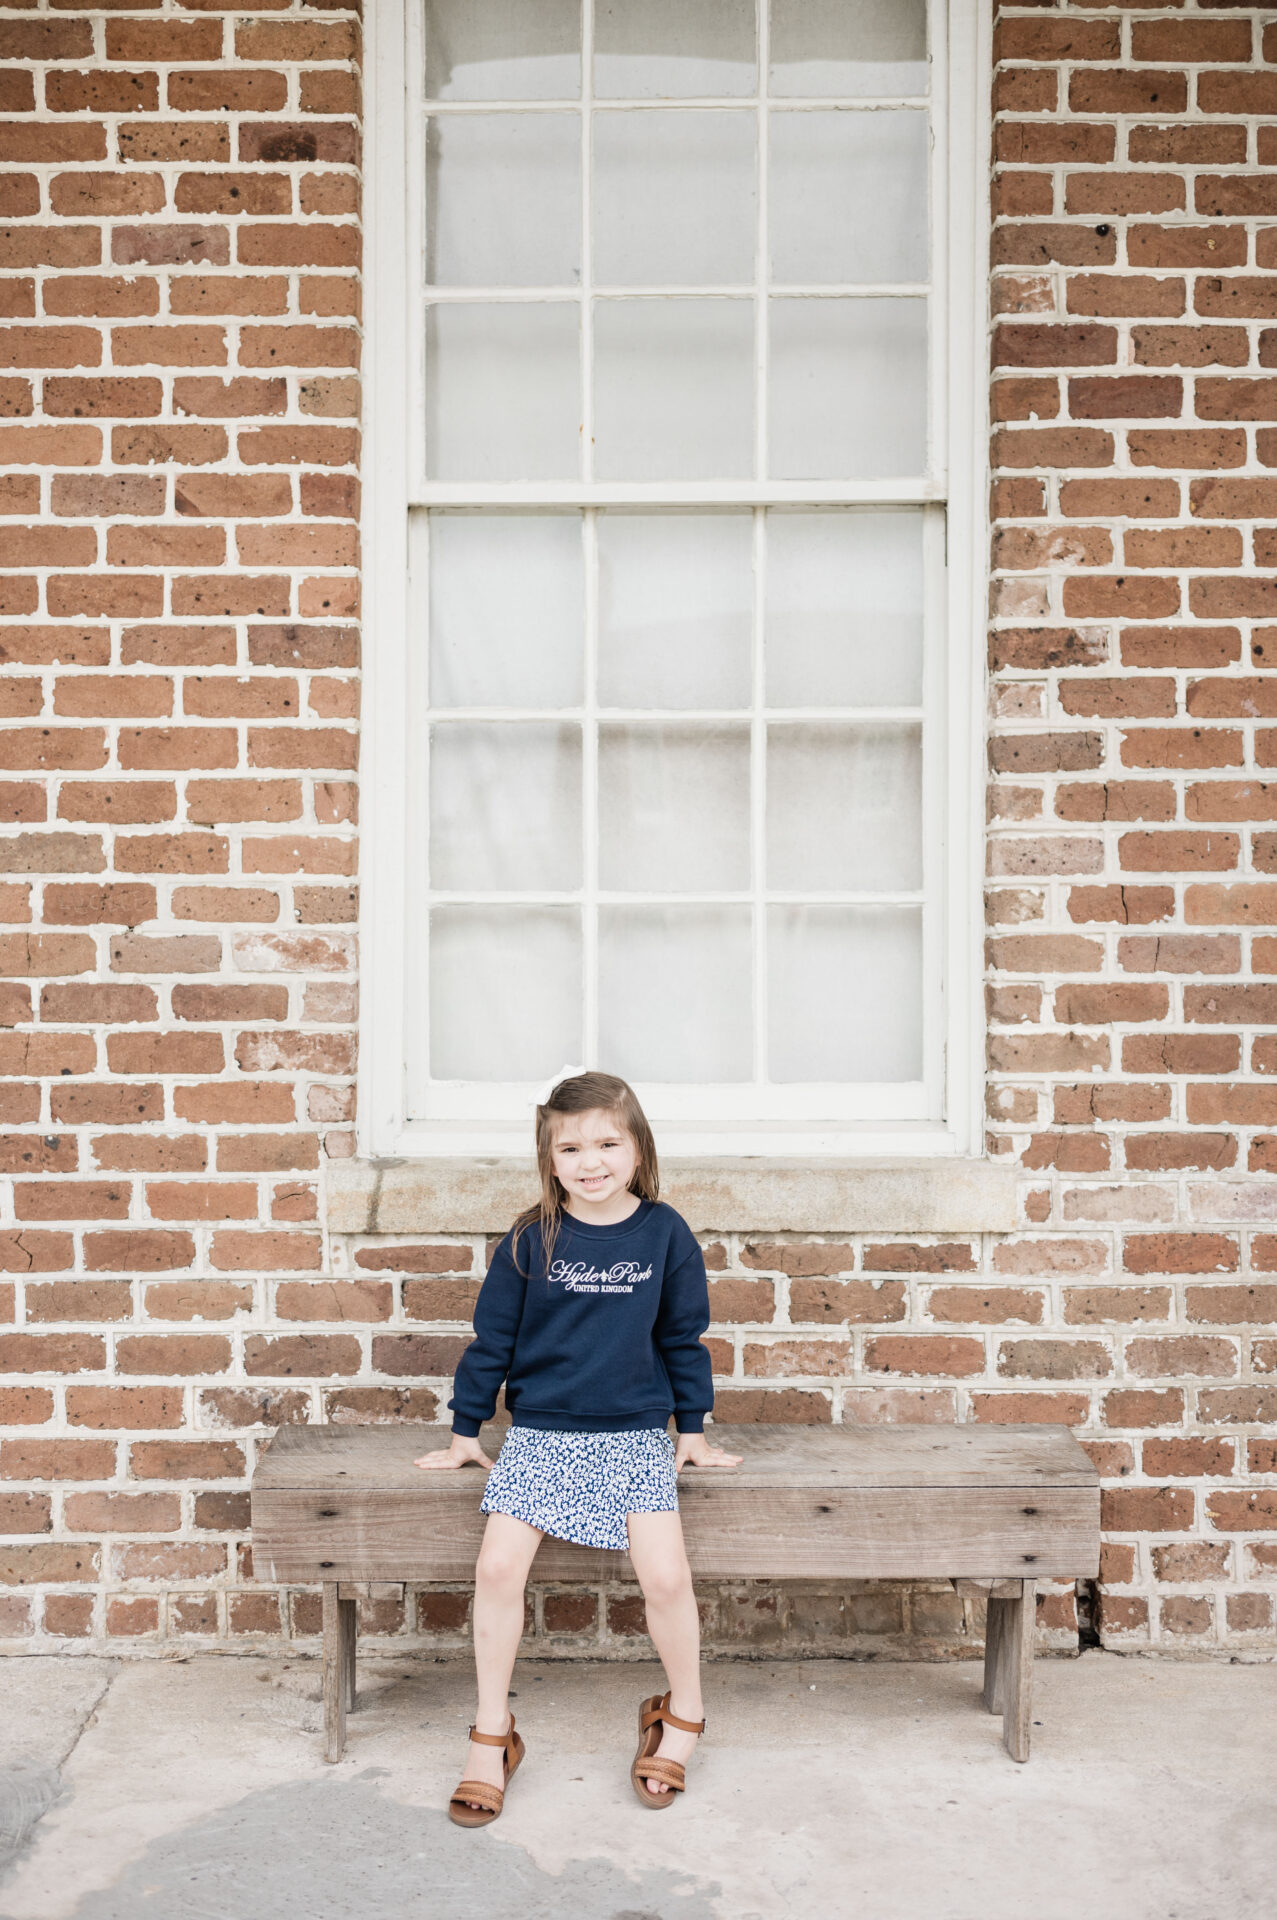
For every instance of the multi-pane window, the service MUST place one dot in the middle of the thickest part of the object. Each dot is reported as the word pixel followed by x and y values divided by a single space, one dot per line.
pixel 676 686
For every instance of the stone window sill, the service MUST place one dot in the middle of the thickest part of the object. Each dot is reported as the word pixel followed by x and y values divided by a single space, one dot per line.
pixel 714 1196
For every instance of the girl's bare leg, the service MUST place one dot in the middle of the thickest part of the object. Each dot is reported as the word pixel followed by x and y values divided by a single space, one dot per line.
pixel 500 1575
pixel 660 1562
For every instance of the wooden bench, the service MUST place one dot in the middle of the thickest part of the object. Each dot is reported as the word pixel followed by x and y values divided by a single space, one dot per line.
pixel 993 1509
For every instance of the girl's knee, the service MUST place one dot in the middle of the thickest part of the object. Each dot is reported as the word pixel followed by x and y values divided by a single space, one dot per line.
pixel 500 1570
pixel 666 1585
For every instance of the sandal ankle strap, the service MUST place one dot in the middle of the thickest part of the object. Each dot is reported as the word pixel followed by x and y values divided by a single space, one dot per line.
pixel 493 1739
pixel 672 1719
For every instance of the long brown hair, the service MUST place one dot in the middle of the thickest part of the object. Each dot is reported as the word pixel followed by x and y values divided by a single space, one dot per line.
pixel 583 1093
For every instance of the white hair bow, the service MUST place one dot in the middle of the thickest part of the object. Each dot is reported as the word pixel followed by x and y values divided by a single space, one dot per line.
pixel 547 1087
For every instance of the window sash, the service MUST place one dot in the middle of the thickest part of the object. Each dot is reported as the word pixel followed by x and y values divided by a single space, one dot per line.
pixel 931 484
pixel 435 1099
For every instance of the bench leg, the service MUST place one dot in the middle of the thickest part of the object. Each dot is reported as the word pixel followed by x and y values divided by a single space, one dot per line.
pixel 339 1668
pixel 994 1634
pixel 1016 1670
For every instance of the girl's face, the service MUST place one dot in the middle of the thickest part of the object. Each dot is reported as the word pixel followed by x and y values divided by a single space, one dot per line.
pixel 594 1159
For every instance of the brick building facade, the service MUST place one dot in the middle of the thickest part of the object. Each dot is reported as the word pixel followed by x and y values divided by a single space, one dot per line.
pixel 180 445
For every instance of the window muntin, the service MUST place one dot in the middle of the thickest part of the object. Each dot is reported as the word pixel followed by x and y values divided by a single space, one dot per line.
pixel 678 537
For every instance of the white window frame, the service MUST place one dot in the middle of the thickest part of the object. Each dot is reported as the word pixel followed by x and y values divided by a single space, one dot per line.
pixel 393 485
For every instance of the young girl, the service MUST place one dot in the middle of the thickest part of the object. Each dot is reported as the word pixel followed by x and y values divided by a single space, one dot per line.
pixel 592 1313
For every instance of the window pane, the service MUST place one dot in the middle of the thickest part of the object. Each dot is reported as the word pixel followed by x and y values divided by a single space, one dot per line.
pixel 505 991
pixel 503 391
pixel 668 49
pixel 844 808
pixel 506 610
pixel 673 809
pixel 503 200
pixel 848 197
pixel 505 807
pixel 674 198
pixel 848 388
pixel 674 389
pixel 845 993
pixel 848 47
pixel 675 609
pixel 674 993
pixel 843 624
pixel 503 49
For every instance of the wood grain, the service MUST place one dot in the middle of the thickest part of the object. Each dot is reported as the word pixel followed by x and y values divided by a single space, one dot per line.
pixel 796 1456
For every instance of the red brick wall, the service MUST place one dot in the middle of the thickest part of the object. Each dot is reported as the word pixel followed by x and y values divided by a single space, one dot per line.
pixel 1132 979
pixel 178 439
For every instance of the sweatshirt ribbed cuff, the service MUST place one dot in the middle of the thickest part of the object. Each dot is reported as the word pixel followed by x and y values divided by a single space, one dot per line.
pixel 690 1422
pixel 467 1428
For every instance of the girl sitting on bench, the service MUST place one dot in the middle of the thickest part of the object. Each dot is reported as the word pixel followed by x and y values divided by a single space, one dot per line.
pixel 592 1314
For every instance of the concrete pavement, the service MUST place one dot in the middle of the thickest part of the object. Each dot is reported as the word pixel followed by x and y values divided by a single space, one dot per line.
pixel 193 1788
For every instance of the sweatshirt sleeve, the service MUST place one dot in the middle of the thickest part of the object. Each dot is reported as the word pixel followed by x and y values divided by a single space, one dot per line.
pixel 486 1361
pixel 681 1320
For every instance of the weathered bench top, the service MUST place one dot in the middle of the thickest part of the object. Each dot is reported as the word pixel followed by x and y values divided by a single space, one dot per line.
pixel 792 1457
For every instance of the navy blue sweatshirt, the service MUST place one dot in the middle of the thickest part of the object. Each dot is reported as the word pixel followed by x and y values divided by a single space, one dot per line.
pixel 609 1339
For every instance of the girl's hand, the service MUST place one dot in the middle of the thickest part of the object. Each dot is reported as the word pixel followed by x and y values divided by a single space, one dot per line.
pixel 694 1450
pixel 459 1454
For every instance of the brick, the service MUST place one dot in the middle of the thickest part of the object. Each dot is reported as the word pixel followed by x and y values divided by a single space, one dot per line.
pixel 455 1299
pixel 1146 1509
pixel 1246 1004
pixel 149 1153
pixel 1016 1409
pixel 27 1250
pixel 148 1561
pixel 58 1562
pixel 217 1102
pixel 379 1406
pixel 789 1406
pixel 312 1355
pixel 129 1408
pixel 267 1152
pixel 1180 1053
pixel 785 1359
pixel 1252 1510
pixel 230 1002
pixel 948 1354
pixel 78 1300
pixel 240 1407
pixel 265 1252
pixel 127 1617
pixel 1178 852
pixel 1179 1253
pixel 227 89
pixel 178 1354
pixel 197 1299
pixel 985 1306
pixel 358 1300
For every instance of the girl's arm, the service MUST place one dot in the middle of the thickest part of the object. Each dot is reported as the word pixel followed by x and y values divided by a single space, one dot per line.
pixel 680 1322
pixel 681 1319
pixel 486 1361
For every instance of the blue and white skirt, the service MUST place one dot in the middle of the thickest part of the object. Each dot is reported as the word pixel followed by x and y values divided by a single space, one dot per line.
pixel 581 1486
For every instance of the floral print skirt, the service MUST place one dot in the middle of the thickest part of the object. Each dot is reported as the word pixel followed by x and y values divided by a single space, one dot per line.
pixel 581 1486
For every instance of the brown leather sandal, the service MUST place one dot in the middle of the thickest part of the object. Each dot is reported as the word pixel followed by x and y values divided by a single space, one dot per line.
pixel 491 1799
pixel 652 1714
